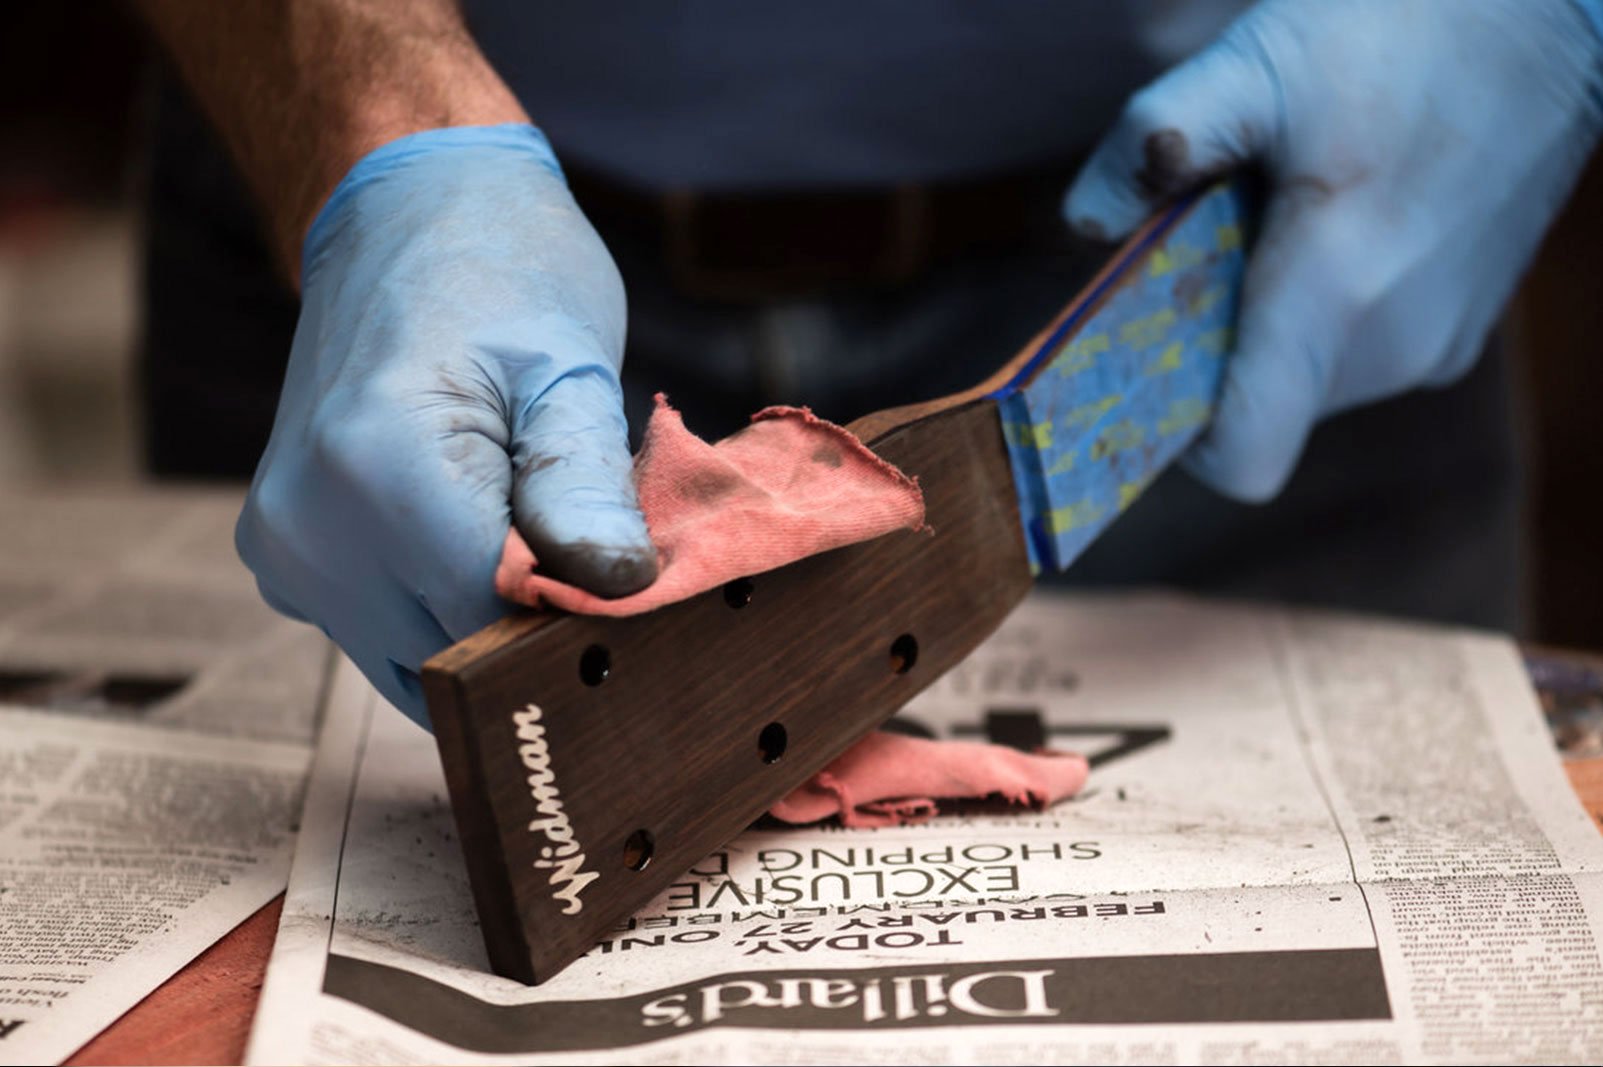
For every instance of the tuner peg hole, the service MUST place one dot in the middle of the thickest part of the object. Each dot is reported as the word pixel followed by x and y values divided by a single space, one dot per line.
pixel 771 742
pixel 595 664
pixel 637 850
pixel 904 653
pixel 737 594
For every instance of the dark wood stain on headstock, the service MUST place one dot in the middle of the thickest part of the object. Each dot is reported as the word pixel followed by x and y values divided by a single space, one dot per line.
pixel 668 742
pixel 662 760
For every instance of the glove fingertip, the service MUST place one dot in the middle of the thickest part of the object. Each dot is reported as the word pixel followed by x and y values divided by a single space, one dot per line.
pixel 1249 451
pixel 609 571
pixel 1226 478
pixel 573 495
pixel 278 603
pixel 402 688
pixel 399 685
pixel 600 545
pixel 1246 462
pixel 1098 209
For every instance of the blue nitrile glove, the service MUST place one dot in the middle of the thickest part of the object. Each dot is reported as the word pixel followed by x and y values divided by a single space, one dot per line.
pixel 1415 152
pixel 455 369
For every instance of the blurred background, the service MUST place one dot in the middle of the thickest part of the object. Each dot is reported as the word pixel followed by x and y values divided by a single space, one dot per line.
pixel 70 121
pixel 77 84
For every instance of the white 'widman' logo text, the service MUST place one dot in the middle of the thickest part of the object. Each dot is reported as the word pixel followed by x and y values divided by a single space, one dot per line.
pixel 564 857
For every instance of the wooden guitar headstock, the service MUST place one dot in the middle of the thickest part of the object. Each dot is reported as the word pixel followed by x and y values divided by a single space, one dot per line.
pixel 591 761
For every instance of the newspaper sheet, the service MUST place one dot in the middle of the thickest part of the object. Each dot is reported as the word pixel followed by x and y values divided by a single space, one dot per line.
pixel 1307 838
pixel 124 852
pixel 147 803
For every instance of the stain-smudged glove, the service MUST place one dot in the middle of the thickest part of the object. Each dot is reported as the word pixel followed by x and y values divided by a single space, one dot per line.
pixel 1415 152
pixel 455 370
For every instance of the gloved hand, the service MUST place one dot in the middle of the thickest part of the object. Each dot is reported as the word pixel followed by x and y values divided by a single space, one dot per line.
pixel 455 369
pixel 1415 151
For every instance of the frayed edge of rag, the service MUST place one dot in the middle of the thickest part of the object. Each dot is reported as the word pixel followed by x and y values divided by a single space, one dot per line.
pixel 848 440
pixel 518 577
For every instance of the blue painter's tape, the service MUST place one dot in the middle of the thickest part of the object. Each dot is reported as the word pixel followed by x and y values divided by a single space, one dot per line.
pixel 1120 388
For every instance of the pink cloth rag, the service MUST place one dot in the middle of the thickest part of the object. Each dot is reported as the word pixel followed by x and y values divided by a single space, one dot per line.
pixel 786 487
pixel 887 779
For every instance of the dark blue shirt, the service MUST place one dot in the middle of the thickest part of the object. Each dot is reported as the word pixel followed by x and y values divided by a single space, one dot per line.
pixel 732 94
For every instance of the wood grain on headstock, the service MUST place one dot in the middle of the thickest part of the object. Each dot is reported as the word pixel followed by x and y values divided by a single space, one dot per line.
pixel 673 750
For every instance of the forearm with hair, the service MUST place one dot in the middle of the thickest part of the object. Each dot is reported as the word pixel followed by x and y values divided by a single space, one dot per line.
pixel 302 89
